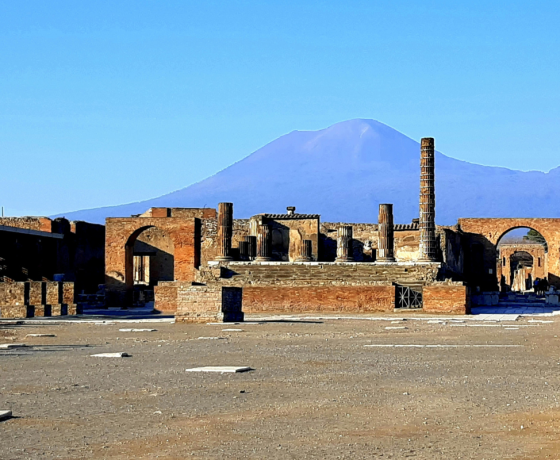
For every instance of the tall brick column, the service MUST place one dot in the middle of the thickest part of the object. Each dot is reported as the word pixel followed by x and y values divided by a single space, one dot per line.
pixel 385 252
pixel 427 201
pixel 264 243
pixel 344 248
pixel 225 231
pixel 305 251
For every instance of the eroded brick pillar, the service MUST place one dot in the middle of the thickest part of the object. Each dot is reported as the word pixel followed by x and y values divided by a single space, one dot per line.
pixel 305 251
pixel 427 222
pixel 344 249
pixel 264 243
pixel 225 231
pixel 385 251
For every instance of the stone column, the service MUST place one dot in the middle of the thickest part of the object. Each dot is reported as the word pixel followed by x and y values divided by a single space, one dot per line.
pixel 252 246
pixel 305 251
pixel 427 222
pixel 225 231
pixel 264 243
pixel 385 251
pixel 344 248
pixel 243 250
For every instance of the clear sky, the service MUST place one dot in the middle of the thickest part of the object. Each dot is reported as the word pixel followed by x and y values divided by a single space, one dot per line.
pixel 108 102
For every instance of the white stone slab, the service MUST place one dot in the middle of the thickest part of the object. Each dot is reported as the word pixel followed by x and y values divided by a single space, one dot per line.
pixel 211 338
pixel 111 355
pixel 539 321
pixel 137 330
pixel 40 335
pixel 511 328
pixel 4 414
pixel 221 369
pixel 9 346
pixel 396 327
pixel 232 330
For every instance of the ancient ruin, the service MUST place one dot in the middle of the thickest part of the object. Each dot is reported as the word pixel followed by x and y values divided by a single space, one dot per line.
pixel 202 264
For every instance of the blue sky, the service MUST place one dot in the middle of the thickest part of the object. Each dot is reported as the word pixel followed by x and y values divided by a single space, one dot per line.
pixel 108 102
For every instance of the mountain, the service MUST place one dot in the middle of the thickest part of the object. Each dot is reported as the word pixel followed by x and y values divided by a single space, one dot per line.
pixel 344 171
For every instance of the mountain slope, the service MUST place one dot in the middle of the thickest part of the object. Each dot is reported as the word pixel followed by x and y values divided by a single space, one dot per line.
pixel 344 171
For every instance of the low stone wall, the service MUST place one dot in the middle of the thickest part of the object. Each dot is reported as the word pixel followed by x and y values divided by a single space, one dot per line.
pixel 449 298
pixel 201 304
pixel 318 299
pixel 36 299
pixel 317 273
pixel 165 295
pixel 486 299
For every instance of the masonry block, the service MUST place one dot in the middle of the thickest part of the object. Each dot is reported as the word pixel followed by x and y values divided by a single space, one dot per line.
pixel 201 304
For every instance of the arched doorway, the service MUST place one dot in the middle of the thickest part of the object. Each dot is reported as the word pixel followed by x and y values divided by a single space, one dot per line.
pixel 522 257
pixel 150 258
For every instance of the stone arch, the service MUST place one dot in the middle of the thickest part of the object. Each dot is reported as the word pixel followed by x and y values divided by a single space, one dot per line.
pixel 489 232
pixel 122 233
pixel 158 245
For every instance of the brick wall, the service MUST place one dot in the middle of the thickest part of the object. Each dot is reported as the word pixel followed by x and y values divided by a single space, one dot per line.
pixel 318 299
pixel 120 236
pixel 446 298
pixel 36 298
pixel 165 294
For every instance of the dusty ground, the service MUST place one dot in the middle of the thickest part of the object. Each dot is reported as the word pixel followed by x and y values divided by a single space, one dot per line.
pixel 316 392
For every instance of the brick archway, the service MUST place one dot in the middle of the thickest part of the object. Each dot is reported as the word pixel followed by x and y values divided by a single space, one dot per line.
pixel 119 240
pixel 507 251
pixel 489 231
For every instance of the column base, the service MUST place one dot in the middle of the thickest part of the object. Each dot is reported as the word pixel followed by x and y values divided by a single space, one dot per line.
pixel 223 259
pixel 263 259
pixel 303 259
pixel 345 259
pixel 386 259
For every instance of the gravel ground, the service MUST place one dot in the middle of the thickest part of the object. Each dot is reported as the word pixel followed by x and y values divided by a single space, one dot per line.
pixel 316 391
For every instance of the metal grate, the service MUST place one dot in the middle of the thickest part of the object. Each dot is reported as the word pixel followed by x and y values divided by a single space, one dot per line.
pixel 409 297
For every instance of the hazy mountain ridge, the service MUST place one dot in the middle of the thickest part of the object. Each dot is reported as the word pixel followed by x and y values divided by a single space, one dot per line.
pixel 344 171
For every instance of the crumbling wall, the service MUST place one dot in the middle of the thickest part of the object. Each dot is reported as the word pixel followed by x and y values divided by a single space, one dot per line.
pixel 202 304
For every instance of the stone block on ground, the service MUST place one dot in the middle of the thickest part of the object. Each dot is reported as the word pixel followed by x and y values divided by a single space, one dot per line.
pixel 5 414
pixel 16 311
pixel 111 355
pixel 203 304
pixel 220 369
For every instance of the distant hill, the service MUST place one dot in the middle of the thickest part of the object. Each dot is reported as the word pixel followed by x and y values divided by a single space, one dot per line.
pixel 344 171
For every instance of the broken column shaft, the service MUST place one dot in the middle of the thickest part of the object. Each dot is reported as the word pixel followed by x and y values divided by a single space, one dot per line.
pixel 252 246
pixel 225 231
pixel 385 251
pixel 264 243
pixel 427 222
pixel 344 249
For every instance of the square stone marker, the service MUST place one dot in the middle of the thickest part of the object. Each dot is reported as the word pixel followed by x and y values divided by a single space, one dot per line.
pixel 232 330
pixel 5 414
pixel 220 369
pixel 40 335
pixel 396 327
pixel 9 346
pixel 111 355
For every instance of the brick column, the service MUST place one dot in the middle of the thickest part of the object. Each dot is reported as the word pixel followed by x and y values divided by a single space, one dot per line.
pixel 252 246
pixel 385 252
pixel 344 244
pixel 305 251
pixel 225 231
pixel 264 243
pixel 427 201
